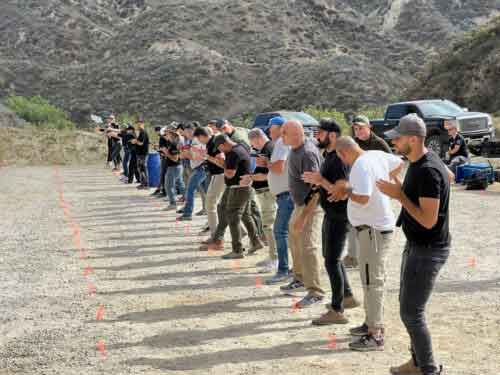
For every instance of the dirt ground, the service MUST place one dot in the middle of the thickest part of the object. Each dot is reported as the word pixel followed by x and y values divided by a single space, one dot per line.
pixel 96 279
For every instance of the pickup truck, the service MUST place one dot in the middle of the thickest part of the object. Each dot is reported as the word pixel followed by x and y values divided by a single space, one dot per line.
pixel 310 123
pixel 476 127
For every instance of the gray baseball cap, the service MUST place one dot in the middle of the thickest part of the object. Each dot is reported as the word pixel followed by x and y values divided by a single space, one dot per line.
pixel 408 125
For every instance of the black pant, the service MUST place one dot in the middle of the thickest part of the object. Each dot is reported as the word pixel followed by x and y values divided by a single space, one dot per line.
pixel 419 269
pixel 143 172
pixel 132 169
pixel 116 156
pixel 333 236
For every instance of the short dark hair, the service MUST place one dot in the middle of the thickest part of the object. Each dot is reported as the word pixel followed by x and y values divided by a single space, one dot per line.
pixel 330 125
pixel 201 132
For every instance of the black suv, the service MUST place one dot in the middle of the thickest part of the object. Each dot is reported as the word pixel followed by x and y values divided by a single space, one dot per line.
pixel 476 127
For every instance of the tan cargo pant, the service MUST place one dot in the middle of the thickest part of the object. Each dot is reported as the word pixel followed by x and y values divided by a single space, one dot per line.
pixel 304 247
pixel 373 252
pixel 214 194
pixel 267 205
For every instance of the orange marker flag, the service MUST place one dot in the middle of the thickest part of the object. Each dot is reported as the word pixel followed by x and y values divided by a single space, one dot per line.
pixel 101 347
pixel 332 341
pixel 100 313
pixel 258 282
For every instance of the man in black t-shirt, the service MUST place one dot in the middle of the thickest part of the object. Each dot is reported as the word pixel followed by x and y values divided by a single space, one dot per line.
pixel 173 176
pixel 458 152
pixel 267 202
pixel 162 143
pixel 142 151
pixel 335 223
pixel 234 206
pixel 126 136
pixel 424 217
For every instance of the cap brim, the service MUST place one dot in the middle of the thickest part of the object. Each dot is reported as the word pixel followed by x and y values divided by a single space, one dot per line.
pixel 392 134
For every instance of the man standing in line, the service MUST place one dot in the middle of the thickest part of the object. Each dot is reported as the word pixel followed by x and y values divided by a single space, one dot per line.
pixel 368 141
pixel 162 143
pixel 267 203
pixel 142 151
pixel 424 217
pixel 173 177
pixel 370 213
pixel 305 225
pixel 335 224
pixel 235 200
pixel 458 152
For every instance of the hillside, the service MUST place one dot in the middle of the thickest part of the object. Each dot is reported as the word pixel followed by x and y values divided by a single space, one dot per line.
pixel 469 72
pixel 197 59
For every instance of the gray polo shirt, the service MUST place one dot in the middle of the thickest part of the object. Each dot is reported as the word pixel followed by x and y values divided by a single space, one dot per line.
pixel 306 158
pixel 278 183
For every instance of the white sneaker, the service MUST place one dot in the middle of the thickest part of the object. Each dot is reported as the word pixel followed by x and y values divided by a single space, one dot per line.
pixel 270 266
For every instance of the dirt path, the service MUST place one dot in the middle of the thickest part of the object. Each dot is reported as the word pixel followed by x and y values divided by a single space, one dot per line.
pixel 95 278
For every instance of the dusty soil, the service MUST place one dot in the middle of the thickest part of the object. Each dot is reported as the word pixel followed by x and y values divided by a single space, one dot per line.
pixel 95 278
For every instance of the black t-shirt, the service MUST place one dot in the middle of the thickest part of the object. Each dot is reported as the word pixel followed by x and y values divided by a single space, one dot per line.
pixel 174 149
pixel 427 178
pixel 237 159
pixel 333 170
pixel 462 151
pixel 266 151
pixel 163 143
pixel 143 138
pixel 213 151
pixel 126 138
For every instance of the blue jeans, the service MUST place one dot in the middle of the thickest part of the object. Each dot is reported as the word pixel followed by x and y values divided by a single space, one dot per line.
pixel 126 161
pixel 280 229
pixel 419 270
pixel 173 178
pixel 195 182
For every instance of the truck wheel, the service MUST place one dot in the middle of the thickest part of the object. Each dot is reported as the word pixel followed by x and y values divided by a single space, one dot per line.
pixel 434 143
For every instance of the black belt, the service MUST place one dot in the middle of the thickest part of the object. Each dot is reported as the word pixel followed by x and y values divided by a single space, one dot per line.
pixel 361 228
pixel 261 191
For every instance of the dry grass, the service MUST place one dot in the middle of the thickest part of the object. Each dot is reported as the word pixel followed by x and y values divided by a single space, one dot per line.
pixel 30 145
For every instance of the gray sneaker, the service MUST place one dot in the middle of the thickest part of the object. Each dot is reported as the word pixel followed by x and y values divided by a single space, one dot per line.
pixel 233 255
pixel 308 301
pixel 367 343
pixel 362 330
pixel 293 287
pixel 255 247
pixel 170 207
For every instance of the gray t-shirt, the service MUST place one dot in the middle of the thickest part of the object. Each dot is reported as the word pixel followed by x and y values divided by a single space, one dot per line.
pixel 306 158
pixel 278 183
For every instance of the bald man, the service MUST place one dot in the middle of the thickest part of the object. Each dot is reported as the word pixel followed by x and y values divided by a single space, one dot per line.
pixel 305 223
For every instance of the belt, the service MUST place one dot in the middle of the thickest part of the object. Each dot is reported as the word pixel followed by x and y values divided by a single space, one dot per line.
pixel 238 187
pixel 261 191
pixel 361 228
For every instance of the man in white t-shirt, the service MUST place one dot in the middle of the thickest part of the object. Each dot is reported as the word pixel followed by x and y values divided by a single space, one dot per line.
pixel 370 213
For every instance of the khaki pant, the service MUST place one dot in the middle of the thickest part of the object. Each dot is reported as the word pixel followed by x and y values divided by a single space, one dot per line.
pixel 267 204
pixel 373 252
pixel 304 247
pixel 214 194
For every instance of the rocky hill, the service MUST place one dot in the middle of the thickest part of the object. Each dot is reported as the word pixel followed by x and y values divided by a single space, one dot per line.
pixel 176 59
pixel 468 72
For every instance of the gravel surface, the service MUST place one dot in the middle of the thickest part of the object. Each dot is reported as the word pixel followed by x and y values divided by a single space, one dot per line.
pixel 96 278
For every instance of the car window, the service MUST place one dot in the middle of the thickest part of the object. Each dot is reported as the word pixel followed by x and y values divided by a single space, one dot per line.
pixel 395 112
pixel 441 108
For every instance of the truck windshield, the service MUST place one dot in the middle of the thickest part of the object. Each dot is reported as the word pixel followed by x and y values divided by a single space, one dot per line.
pixel 304 118
pixel 440 108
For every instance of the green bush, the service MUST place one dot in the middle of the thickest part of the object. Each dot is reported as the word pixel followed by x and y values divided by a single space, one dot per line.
pixel 38 111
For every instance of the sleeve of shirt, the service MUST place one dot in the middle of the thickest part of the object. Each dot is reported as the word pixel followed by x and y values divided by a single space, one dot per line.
pixel 393 162
pixel 310 162
pixel 231 161
pixel 361 180
pixel 429 184
pixel 280 152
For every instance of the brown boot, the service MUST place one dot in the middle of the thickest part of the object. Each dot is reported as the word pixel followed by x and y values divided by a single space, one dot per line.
pixel 351 302
pixel 330 317
pixel 407 368
pixel 216 245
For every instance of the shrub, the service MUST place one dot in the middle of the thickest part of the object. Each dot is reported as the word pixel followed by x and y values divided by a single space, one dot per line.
pixel 38 111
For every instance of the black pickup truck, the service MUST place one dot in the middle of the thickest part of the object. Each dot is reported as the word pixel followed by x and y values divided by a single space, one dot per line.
pixel 477 128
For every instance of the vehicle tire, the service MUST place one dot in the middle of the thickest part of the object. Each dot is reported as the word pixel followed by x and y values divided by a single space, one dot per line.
pixel 434 143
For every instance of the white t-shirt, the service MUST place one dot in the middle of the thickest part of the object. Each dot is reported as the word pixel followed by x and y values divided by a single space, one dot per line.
pixel 199 146
pixel 365 172
pixel 278 183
